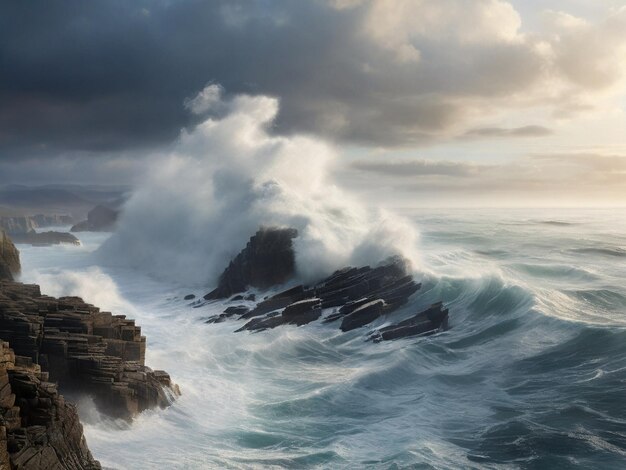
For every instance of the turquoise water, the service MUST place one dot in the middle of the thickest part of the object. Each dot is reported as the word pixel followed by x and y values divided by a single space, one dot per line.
pixel 531 374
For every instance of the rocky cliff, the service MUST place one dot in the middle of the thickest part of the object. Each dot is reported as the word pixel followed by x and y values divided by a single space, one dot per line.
pixel 38 429
pixel 9 258
pixel 17 224
pixel 352 297
pixel 22 229
pixel 46 341
pixel 83 349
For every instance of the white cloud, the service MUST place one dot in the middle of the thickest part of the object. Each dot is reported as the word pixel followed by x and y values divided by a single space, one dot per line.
pixel 205 100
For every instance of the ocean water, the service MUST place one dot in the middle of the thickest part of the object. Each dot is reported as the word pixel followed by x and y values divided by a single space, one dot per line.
pixel 531 373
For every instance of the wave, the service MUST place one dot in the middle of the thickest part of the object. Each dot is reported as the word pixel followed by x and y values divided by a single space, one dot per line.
pixel 557 223
pixel 604 251
pixel 197 207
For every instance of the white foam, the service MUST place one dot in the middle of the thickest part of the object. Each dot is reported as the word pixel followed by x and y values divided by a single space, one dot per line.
pixel 197 206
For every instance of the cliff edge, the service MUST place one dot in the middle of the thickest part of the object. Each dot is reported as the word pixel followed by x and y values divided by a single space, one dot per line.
pixel 9 258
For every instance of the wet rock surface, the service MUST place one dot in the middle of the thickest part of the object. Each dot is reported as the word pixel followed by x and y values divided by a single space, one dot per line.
pixel 38 428
pixel 267 260
pixel 351 298
pixel 83 349
pixel 430 321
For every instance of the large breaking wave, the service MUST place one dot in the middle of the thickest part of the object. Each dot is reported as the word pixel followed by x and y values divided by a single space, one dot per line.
pixel 197 206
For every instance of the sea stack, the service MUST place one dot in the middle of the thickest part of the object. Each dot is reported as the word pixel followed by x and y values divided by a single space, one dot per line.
pixel 267 260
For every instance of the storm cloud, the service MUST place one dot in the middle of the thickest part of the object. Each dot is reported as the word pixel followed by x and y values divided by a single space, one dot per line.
pixel 100 77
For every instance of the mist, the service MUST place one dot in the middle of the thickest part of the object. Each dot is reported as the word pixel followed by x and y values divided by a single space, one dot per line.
pixel 196 207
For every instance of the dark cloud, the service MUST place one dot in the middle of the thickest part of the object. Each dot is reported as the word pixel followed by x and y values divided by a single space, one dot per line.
pixel 102 76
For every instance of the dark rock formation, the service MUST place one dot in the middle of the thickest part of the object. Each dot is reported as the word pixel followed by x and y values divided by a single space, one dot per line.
pixel 99 219
pixel 38 429
pixel 190 297
pixel 229 312
pixel 46 238
pixel 430 321
pixel 267 260
pixel 356 296
pixel 9 258
pixel 83 349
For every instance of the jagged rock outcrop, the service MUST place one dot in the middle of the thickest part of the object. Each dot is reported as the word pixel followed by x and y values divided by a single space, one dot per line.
pixel 38 429
pixel 99 219
pixel 9 258
pixel 357 296
pixel 267 260
pixel 352 297
pixel 83 349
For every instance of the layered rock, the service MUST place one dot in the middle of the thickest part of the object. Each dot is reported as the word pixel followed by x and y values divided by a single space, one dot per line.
pixel 99 219
pixel 431 320
pixel 9 258
pixel 83 349
pixel 38 428
pixel 267 260
pixel 351 297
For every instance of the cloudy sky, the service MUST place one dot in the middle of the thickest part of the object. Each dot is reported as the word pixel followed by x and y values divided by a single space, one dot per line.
pixel 429 102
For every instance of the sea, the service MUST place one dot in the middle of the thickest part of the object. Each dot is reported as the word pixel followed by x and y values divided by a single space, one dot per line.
pixel 531 373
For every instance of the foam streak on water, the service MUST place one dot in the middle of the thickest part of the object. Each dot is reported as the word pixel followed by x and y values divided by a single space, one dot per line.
pixel 532 373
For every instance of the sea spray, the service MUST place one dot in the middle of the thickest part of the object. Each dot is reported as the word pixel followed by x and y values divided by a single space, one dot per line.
pixel 197 207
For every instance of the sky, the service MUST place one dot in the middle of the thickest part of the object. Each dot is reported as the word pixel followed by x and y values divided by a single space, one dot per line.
pixel 427 103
